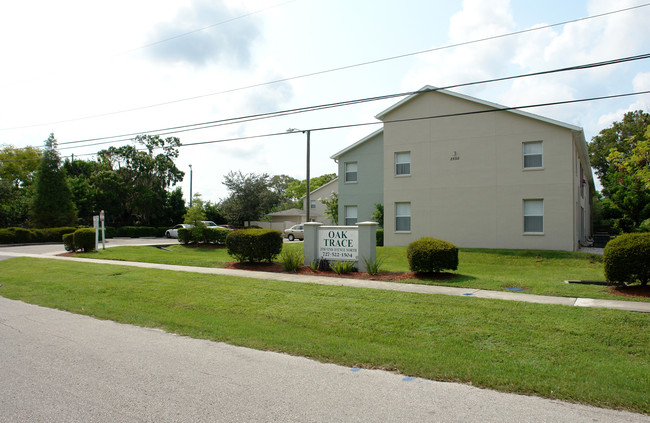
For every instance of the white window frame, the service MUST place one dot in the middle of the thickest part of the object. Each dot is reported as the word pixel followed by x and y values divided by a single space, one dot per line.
pixel 348 216
pixel 529 154
pixel 312 204
pixel 356 172
pixel 533 203
pixel 402 163
pixel 400 214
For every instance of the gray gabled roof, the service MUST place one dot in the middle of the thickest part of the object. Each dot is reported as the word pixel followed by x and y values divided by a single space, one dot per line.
pixel 361 141
pixel 289 212
pixel 429 88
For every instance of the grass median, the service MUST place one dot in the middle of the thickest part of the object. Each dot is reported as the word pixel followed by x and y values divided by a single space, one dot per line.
pixel 592 356
pixel 527 271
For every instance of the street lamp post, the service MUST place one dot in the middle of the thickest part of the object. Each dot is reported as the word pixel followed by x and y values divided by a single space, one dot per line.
pixel 190 186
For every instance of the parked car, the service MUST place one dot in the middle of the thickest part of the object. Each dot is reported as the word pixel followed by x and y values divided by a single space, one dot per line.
pixel 173 232
pixel 296 231
pixel 229 227
pixel 209 223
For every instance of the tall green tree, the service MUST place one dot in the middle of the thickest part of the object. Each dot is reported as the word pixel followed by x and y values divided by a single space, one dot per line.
pixel 619 136
pixel 250 197
pixel 134 179
pixel 52 205
pixel 298 189
pixel 18 167
pixel 617 154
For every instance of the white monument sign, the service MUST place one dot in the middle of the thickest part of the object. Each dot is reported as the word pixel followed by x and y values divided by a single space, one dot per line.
pixel 341 244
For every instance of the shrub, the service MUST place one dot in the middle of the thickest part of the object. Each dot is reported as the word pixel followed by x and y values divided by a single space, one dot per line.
pixel 214 235
pixel 315 265
pixel 292 259
pixel 185 236
pixel 432 255
pixel 380 237
pixel 627 258
pixel 254 245
pixel 68 242
pixel 84 239
pixel 342 267
pixel 138 231
pixel 373 266
pixel 16 236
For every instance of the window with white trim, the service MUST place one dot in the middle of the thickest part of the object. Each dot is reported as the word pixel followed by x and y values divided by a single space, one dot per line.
pixel 533 155
pixel 533 216
pixel 312 204
pixel 351 172
pixel 350 215
pixel 402 217
pixel 403 163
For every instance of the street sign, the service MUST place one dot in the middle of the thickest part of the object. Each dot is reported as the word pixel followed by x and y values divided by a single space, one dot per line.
pixel 101 216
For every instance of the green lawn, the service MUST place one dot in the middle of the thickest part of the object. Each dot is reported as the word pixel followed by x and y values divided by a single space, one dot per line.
pixel 537 272
pixel 593 356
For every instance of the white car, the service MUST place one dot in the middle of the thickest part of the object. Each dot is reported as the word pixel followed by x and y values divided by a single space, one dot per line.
pixel 173 232
pixel 296 231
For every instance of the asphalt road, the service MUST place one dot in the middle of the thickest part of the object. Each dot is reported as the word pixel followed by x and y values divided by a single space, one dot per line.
pixel 58 366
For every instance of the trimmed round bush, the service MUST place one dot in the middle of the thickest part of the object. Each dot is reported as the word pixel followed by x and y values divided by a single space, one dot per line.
pixel 627 259
pixel 68 242
pixel 432 255
pixel 84 239
pixel 254 245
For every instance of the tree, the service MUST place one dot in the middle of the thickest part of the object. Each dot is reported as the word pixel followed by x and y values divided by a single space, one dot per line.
pixel 298 189
pixel 250 197
pixel 635 163
pixel 619 136
pixel 17 171
pixel 52 205
pixel 332 207
pixel 378 214
pixel 620 156
pixel 133 182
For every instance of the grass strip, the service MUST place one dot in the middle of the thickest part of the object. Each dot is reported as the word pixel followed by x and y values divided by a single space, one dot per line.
pixel 538 272
pixel 593 356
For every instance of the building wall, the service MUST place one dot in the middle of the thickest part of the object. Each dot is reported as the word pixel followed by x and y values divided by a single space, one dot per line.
pixel 475 198
pixel 368 190
pixel 322 193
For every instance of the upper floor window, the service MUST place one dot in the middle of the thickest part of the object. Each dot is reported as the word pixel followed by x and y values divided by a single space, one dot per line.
pixel 312 204
pixel 403 163
pixel 350 215
pixel 351 172
pixel 534 216
pixel 533 155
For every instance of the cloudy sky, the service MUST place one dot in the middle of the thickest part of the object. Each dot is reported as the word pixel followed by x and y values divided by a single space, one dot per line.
pixel 86 70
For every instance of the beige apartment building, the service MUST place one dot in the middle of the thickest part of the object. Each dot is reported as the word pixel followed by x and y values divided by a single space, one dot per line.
pixel 454 167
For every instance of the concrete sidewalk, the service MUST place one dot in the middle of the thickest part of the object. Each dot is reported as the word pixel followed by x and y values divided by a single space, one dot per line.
pixel 641 307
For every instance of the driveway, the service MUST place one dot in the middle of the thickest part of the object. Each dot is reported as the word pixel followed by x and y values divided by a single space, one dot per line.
pixel 58 366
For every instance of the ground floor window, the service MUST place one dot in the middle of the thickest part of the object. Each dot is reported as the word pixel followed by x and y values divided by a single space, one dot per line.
pixel 533 216
pixel 402 217
pixel 350 215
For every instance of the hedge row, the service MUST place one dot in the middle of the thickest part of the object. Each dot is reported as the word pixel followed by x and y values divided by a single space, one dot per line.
pixel 254 245
pixel 27 236
pixel 203 235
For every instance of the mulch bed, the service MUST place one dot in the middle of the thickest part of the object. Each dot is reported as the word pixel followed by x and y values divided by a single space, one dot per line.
pixel 306 270
pixel 631 291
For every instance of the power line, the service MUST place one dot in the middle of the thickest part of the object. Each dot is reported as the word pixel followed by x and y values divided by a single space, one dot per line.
pixel 449 46
pixel 249 118
pixel 356 125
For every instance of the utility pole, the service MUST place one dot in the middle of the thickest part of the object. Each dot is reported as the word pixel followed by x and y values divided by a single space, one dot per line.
pixel 308 199
pixel 190 186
